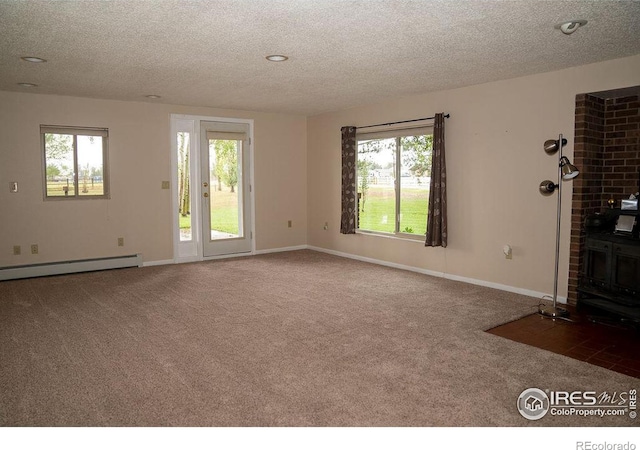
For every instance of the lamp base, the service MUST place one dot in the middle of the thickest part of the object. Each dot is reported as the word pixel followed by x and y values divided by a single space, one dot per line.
pixel 552 311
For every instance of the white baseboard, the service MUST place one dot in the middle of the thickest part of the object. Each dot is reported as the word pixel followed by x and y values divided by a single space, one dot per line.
pixel 231 255
pixel 160 262
pixel 448 276
pixel 281 249
pixel 378 261
pixel 67 267
pixel 209 258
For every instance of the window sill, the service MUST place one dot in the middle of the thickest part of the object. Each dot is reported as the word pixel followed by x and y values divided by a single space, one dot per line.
pixel 397 237
pixel 65 198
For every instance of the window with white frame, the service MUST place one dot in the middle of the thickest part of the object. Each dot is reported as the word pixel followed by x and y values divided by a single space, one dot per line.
pixel 393 178
pixel 75 162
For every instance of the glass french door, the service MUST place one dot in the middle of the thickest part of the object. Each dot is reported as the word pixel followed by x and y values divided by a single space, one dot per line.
pixel 225 188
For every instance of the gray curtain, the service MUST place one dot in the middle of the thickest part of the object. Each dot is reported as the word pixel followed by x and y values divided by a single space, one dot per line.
pixel 437 212
pixel 349 204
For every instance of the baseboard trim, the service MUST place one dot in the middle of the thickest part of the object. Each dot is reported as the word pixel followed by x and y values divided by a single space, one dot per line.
pixel 227 256
pixel 160 262
pixel 68 267
pixel 448 276
pixel 378 261
pixel 193 259
pixel 281 249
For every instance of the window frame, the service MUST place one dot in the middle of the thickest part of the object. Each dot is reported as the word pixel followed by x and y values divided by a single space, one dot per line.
pixel 396 134
pixel 75 132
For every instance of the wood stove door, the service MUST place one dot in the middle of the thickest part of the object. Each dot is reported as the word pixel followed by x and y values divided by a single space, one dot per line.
pixel 597 265
pixel 625 272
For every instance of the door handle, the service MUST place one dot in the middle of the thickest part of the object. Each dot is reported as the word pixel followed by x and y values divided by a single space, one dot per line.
pixel 206 194
pixel 205 184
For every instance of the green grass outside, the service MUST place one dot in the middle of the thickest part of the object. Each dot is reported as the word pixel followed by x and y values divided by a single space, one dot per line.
pixel 56 188
pixel 185 222
pixel 224 211
pixel 380 202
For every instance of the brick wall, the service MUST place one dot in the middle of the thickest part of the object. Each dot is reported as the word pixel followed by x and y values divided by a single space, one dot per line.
pixel 621 152
pixel 607 153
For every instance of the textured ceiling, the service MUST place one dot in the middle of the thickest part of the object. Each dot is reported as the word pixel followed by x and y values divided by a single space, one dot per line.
pixel 342 53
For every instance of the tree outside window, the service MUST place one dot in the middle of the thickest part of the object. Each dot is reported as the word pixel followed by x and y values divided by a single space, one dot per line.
pixel 75 162
pixel 393 183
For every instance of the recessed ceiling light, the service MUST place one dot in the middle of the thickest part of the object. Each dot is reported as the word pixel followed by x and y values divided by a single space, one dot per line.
pixel 277 58
pixel 33 59
pixel 570 26
pixel 28 85
pixel 153 96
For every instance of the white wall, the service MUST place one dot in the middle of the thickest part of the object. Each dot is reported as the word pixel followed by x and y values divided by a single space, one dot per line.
pixel 494 128
pixel 139 159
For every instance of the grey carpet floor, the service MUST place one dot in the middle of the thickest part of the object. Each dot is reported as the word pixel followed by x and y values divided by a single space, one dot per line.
pixel 290 339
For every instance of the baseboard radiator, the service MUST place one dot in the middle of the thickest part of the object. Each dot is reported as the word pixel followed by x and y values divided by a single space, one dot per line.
pixel 64 267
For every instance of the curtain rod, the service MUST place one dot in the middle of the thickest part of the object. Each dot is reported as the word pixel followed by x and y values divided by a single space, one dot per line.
pixel 446 116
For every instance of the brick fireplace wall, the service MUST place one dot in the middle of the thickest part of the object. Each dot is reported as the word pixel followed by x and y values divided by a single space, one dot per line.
pixel 607 152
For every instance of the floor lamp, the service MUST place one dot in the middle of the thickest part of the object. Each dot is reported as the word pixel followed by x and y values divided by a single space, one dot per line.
pixel 566 171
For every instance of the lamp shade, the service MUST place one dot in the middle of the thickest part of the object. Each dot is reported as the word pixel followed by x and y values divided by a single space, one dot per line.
pixel 569 171
pixel 551 146
pixel 547 187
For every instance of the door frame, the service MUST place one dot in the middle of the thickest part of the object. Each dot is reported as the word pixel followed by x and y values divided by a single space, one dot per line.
pixel 241 243
pixel 191 251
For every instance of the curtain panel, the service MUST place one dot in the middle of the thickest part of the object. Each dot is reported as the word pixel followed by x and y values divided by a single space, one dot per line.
pixel 437 210
pixel 349 191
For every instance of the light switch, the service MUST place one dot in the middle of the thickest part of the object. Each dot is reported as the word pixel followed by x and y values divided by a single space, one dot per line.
pixel 165 185
pixel 13 187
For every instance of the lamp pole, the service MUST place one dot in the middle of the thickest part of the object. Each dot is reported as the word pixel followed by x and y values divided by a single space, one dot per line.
pixel 554 310
pixel 555 281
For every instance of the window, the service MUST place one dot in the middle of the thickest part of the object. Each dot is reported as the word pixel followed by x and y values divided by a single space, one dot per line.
pixel 75 162
pixel 184 185
pixel 393 177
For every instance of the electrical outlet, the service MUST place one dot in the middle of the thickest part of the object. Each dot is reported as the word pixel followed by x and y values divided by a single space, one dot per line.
pixel 289 224
pixel 166 185
pixel 120 242
pixel 17 250
pixel 34 249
